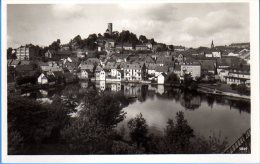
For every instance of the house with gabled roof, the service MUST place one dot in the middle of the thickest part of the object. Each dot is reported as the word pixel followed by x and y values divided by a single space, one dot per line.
pixel 133 71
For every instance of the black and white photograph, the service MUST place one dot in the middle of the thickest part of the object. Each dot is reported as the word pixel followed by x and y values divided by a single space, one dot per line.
pixel 121 78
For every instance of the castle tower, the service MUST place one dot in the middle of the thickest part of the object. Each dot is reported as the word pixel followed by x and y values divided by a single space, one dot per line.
pixel 110 28
pixel 212 44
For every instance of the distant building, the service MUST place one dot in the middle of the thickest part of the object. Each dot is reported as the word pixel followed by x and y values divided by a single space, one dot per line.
pixel 141 47
pixel 50 54
pixel 109 28
pixel 127 46
pixel 149 45
pixel 238 76
pixel 110 43
pixel 240 45
pixel 179 48
pixel 25 52
pixel 212 44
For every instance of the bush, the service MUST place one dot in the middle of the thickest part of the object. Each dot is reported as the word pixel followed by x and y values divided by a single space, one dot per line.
pixel 242 89
pixel 233 86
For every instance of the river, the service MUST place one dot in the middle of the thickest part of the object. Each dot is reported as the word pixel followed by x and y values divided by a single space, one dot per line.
pixel 207 114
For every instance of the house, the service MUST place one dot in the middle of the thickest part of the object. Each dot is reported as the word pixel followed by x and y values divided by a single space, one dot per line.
pixel 208 55
pixel 50 54
pixel 45 78
pixel 160 69
pixel 180 58
pixel 151 68
pixel 92 61
pixel 179 48
pixel 127 46
pixel 110 43
pixel 84 74
pixel 149 45
pixel 216 54
pixel 81 53
pixel 25 52
pixel 86 71
pixel 240 45
pixel 64 47
pixel 238 75
pixel 15 63
pixel 133 72
pixel 141 47
pixel 100 73
pixel 194 69
pixel 161 78
pixel 116 75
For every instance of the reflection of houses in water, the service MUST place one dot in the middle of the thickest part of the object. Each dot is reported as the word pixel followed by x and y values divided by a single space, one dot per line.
pixel 190 101
pixel 44 93
pixel 160 89
pixel 132 90
pixel 84 84
pixel 101 85
pixel 116 87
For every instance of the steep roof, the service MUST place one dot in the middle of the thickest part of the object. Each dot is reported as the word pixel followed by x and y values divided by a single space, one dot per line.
pixel 161 69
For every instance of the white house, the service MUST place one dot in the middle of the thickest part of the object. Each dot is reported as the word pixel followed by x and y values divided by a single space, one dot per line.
pixel 133 72
pixel 161 78
pixel 116 75
pixel 238 76
pixel 209 55
pixel 193 69
pixel 46 79
pixel 42 79
pixel 216 54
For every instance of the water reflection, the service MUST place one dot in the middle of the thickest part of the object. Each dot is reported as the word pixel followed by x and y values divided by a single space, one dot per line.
pixel 157 103
pixel 189 100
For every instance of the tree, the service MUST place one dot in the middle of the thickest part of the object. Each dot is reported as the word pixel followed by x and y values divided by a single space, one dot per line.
pixel 171 47
pixel 30 124
pixel 178 134
pixel 172 79
pixel 242 89
pixel 143 39
pixel 138 130
pixel 108 110
pixel 11 53
pixel 55 45
pixel 85 136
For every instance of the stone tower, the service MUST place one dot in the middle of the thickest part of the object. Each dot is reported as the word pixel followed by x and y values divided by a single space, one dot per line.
pixel 110 28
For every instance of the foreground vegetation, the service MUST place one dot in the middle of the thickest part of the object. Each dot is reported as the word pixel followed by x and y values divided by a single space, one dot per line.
pixel 38 128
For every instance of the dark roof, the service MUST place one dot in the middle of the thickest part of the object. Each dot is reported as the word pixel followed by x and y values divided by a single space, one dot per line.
pixel 161 69
pixel 207 64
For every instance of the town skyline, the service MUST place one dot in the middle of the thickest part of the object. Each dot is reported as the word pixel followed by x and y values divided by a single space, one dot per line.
pixel 222 25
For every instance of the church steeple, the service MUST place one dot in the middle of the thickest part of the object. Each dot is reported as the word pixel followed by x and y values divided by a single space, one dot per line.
pixel 212 44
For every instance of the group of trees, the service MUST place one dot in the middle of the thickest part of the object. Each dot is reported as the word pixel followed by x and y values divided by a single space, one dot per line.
pixel 35 128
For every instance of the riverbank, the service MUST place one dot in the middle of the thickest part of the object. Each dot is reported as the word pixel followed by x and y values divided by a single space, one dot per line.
pixel 221 91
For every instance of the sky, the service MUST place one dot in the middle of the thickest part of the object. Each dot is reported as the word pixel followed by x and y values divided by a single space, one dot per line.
pixel 187 24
